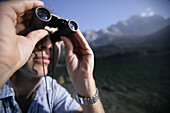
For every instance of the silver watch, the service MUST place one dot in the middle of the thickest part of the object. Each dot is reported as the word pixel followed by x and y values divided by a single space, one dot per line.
pixel 88 100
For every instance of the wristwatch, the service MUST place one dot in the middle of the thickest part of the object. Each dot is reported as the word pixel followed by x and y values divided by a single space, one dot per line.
pixel 88 100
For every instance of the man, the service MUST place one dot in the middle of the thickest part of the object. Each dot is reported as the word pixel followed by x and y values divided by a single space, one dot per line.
pixel 23 65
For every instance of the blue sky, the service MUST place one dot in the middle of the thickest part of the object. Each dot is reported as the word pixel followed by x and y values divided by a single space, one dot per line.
pixel 98 14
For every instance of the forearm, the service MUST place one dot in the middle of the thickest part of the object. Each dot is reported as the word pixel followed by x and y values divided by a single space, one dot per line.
pixel 80 64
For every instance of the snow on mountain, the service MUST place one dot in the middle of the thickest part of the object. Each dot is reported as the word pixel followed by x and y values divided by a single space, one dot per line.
pixel 90 35
pixel 135 25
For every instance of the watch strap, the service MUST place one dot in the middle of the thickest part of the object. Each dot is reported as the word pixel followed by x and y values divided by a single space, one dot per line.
pixel 88 100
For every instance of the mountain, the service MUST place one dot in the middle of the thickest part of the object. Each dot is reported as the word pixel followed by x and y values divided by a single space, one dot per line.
pixel 138 25
pixel 91 35
pixel 137 35
pixel 158 41
pixel 134 26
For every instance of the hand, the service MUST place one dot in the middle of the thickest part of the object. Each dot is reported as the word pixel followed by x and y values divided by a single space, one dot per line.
pixel 15 49
pixel 80 63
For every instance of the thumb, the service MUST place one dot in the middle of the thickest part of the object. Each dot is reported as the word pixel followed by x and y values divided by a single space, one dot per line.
pixel 36 35
pixel 27 44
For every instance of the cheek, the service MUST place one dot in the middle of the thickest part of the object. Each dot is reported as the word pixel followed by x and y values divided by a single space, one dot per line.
pixel 57 51
pixel 30 64
pixel 36 68
pixel 55 58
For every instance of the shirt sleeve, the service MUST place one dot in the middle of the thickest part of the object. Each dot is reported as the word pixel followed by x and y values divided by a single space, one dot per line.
pixel 62 100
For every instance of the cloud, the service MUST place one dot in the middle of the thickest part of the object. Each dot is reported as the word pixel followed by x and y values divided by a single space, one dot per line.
pixel 143 14
pixel 148 9
pixel 148 12
pixel 151 13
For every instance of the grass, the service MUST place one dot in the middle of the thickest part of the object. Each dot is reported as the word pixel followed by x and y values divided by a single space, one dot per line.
pixel 139 82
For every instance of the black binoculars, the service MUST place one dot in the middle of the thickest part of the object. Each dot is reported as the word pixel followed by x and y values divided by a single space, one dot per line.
pixel 43 17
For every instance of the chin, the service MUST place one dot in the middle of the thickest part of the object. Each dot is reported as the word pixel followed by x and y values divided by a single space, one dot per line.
pixel 40 71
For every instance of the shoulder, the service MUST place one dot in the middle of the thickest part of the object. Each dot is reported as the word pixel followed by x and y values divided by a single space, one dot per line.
pixel 51 84
pixel 61 98
pixel 47 80
pixel 6 90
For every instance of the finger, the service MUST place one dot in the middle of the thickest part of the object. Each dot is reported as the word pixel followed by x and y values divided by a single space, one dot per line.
pixel 68 46
pixel 26 16
pixel 83 52
pixel 20 27
pixel 81 40
pixel 74 42
pixel 20 19
pixel 25 5
pixel 23 21
pixel 52 30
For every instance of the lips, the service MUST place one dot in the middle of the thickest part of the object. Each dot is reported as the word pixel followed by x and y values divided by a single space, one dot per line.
pixel 40 59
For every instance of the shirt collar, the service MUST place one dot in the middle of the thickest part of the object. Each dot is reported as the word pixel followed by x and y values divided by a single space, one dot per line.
pixel 6 90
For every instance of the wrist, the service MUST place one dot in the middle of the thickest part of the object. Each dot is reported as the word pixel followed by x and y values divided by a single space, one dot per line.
pixel 88 100
pixel 85 87
pixel 5 74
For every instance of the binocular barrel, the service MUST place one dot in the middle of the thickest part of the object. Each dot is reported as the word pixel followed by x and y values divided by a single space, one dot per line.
pixel 43 17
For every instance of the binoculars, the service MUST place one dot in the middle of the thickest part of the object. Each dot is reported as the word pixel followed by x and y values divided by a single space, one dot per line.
pixel 43 17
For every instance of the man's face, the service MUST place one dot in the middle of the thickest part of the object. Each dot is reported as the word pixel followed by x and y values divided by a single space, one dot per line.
pixel 41 59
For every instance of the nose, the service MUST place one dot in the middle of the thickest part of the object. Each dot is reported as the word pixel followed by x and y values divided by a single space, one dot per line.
pixel 46 43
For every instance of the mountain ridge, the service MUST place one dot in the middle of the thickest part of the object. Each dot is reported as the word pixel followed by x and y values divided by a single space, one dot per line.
pixel 135 25
pixel 158 41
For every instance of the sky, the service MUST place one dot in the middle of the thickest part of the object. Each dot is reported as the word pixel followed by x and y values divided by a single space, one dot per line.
pixel 98 14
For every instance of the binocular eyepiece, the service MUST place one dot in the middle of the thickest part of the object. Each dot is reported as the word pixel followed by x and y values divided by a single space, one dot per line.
pixel 43 17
